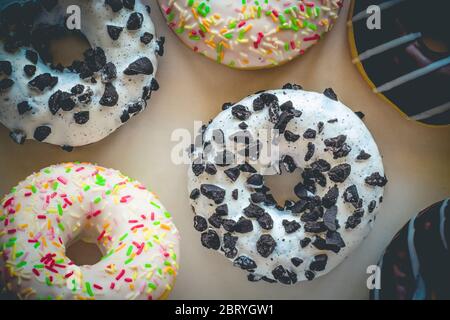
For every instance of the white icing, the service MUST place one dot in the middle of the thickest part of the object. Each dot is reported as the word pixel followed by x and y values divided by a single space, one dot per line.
pixel 95 16
pixel 315 107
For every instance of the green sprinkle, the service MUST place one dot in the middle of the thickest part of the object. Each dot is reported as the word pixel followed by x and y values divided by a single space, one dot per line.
pixel 128 261
pixel 167 214
pixel 48 282
pixel 86 188
pixel 55 185
pixel 21 264
pixel 123 237
pixel 33 189
pixel 155 205
pixel 19 254
pixel 37 244
pixel 60 210
pixel 97 200
pixel 152 285
pixel 167 263
pixel 61 226
pixel 130 249
pixel 38 266
pixel 89 289
pixel 148 265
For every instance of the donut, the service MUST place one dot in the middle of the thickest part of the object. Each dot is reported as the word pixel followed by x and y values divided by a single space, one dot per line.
pixel 53 208
pixel 416 264
pixel 398 61
pixel 341 183
pixel 88 100
pixel 250 34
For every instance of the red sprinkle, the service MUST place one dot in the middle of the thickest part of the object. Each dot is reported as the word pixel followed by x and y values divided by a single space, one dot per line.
pixel 128 280
pixel 112 285
pixel 137 227
pixel 8 202
pixel 120 275
pixel 42 217
pixel 68 275
pixel 62 180
pixel 96 286
pixel 36 272
pixel 101 235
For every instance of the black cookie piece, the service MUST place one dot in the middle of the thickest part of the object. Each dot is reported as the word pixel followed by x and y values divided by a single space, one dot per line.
pixel 240 112
pixel 129 4
pixel 372 205
pixel 146 38
pixel 43 81
pixel 321 165
pixel 210 169
pixel 311 148
pixel 109 72
pixel 330 198
pixel 95 58
pixel 265 221
pixel 296 261
pixel 160 42
pixel 215 220
pixel 290 226
pixel 200 223
pixel 309 134
pixel 5 68
pixel 315 227
pixel 283 275
pixel 41 133
pixel 329 218
pixel 222 210
pixel 110 96
pixel 290 136
pixel 292 86
pixel 18 136
pixel 289 163
pixel 67 148
pixel 329 93
pixel 140 66
pixel 31 56
pixel 253 211
pixel 283 121
pixel 116 5
pixel 376 180
pixel 265 245
pixel 23 107
pixel 340 172
pixel 114 31
pixel 233 173
pixel 244 263
pixel 81 117
pixel 255 180
pixel 360 114
pixel 319 263
pixel 210 240
pixel 304 242
pixel 351 194
pixel 265 100
pixel 243 225
pixel 195 193
pixel 198 168
pixel 213 192
pixel 135 21
pixel 363 155
pixel 29 70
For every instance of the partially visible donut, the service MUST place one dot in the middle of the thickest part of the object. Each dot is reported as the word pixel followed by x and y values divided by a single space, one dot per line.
pixel 416 264
pixel 250 34
pixel 89 100
pixel 341 183
pixel 397 62
pixel 52 208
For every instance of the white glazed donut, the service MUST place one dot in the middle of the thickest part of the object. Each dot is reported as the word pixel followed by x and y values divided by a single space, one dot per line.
pixel 341 184
pixel 250 34
pixel 89 100
pixel 49 210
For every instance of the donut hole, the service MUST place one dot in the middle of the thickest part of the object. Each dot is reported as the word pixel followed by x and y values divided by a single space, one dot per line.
pixel 282 185
pixel 84 253
pixel 58 46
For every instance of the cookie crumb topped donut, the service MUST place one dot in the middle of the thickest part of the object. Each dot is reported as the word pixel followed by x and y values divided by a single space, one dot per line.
pixel 60 204
pixel 250 34
pixel 88 100
pixel 341 182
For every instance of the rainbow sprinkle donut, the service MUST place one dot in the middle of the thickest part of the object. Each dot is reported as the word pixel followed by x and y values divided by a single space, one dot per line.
pixel 250 34
pixel 60 204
